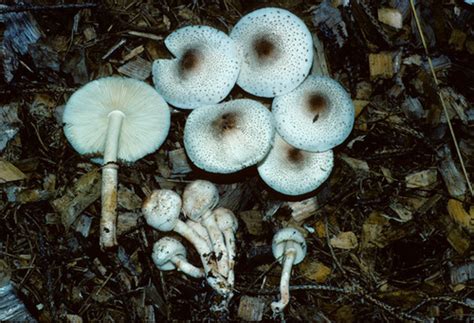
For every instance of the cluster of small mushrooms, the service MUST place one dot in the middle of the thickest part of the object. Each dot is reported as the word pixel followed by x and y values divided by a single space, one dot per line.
pixel 269 53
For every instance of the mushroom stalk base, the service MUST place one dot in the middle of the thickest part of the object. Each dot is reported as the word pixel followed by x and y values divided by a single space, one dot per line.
pixel 231 250
pixel 217 241
pixel 290 255
pixel 214 278
pixel 108 218
pixel 187 268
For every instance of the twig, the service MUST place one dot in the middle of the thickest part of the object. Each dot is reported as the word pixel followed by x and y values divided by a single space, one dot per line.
pixel 441 97
pixel 22 8
pixel 354 290
pixel 446 299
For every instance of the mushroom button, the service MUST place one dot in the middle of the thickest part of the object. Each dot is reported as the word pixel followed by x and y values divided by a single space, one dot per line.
pixel 316 116
pixel 119 118
pixel 293 171
pixel 204 71
pixel 169 254
pixel 230 136
pixel 277 51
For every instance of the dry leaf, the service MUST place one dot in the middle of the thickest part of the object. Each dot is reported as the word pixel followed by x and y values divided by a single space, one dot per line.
pixel 460 215
pixel 9 173
pixel 345 240
pixel 314 270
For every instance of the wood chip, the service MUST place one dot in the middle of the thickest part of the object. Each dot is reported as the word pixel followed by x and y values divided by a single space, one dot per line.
pixel 457 39
pixel 460 215
pixel 381 65
pixel 137 68
pixel 391 17
pixel 251 308
pixel 253 222
pixel 421 179
pixel 179 162
pixel 302 210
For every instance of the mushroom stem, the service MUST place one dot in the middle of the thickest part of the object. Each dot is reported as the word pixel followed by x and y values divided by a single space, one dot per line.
pixel 229 238
pixel 200 231
pixel 214 278
pixel 108 218
pixel 187 268
pixel 290 256
pixel 209 222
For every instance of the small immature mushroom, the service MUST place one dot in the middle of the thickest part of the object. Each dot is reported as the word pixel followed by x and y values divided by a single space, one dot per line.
pixel 316 116
pixel 121 119
pixel 199 198
pixel 169 254
pixel 278 51
pixel 228 224
pixel 293 171
pixel 230 136
pixel 289 248
pixel 204 71
pixel 161 210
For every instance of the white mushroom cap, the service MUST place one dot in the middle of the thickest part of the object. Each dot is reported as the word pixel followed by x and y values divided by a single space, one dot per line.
pixel 145 125
pixel 164 250
pixel 199 197
pixel 226 219
pixel 279 244
pixel 278 51
pixel 161 209
pixel 317 116
pixel 292 171
pixel 204 71
pixel 230 136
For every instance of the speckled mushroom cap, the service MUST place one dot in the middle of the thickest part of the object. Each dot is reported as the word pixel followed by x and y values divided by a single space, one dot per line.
pixel 204 71
pixel 277 51
pixel 316 116
pixel 285 235
pixel 144 128
pixel 199 197
pixel 161 209
pixel 293 171
pixel 164 250
pixel 230 136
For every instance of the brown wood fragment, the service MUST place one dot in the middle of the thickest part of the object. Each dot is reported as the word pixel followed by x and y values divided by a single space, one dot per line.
pixel 460 215
pixel 251 308
pixel 137 68
pixel 302 210
pixel 381 65
pixel 179 162
pixel 391 17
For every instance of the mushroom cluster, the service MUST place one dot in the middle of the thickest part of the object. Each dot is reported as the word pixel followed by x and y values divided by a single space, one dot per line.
pixel 209 229
pixel 268 53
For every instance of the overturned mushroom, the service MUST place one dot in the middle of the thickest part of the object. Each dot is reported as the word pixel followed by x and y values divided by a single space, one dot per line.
pixel 161 210
pixel 121 119
pixel 289 248
pixel 170 254
pixel 199 198
pixel 293 171
pixel 204 71
pixel 278 51
pixel 228 137
pixel 316 116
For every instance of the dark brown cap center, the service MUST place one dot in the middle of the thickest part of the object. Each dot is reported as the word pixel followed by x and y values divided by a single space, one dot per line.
pixel 316 105
pixel 189 61
pixel 225 123
pixel 295 155
pixel 264 48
